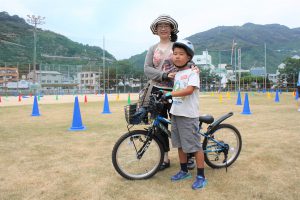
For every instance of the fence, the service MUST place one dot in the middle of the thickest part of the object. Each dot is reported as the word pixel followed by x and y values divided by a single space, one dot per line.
pixel 111 82
pixel 66 79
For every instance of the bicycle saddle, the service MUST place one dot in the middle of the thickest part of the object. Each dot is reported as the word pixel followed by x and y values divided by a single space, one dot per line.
pixel 208 119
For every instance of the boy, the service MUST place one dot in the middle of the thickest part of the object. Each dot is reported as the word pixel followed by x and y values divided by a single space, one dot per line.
pixel 185 113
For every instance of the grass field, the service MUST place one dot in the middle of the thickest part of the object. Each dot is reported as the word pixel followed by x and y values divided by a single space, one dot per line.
pixel 41 159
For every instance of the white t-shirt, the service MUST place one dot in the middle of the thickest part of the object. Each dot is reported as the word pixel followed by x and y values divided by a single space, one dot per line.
pixel 187 106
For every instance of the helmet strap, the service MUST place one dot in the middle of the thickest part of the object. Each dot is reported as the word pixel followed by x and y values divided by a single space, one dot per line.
pixel 181 66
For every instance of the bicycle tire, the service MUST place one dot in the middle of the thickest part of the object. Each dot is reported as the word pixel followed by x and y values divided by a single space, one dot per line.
pixel 124 156
pixel 221 134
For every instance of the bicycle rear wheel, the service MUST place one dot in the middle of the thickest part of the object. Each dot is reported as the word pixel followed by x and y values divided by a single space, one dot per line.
pixel 224 134
pixel 125 155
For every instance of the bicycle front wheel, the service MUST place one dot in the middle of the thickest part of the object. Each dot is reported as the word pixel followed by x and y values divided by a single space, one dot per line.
pixel 125 155
pixel 213 152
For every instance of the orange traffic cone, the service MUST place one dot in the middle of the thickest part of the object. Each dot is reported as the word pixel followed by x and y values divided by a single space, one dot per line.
pixel 19 98
pixel 85 99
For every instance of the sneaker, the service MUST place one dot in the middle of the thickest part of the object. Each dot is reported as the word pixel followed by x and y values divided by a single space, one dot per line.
pixel 191 164
pixel 181 175
pixel 164 165
pixel 199 183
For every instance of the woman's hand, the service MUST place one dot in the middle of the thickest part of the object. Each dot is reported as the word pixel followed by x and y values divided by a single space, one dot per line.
pixel 171 75
pixel 195 69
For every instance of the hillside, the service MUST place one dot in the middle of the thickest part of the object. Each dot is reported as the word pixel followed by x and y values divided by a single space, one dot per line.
pixel 16 45
pixel 281 42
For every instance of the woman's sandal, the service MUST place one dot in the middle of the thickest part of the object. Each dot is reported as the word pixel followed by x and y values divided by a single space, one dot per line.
pixel 164 165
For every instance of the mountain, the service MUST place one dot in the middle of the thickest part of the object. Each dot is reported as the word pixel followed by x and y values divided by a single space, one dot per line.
pixel 281 42
pixel 16 46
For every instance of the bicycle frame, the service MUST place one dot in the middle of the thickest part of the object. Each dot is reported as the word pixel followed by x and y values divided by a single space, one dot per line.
pixel 217 142
pixel 158 123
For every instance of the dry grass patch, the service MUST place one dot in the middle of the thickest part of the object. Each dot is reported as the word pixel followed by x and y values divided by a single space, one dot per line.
pixel 41 159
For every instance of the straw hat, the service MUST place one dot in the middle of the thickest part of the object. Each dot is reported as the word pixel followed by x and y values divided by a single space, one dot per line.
pixel 164 19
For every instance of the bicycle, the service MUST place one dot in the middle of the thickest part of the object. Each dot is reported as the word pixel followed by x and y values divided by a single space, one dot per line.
pixel 138 153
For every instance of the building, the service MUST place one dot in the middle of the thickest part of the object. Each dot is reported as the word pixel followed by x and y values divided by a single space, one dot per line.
pixel 257 71
pixel 46 77
pixel 203 60
pixel 88 79
pixel 22 84
pixel 8 74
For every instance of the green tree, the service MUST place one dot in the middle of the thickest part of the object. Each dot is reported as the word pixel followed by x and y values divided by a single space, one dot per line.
pixel 291 70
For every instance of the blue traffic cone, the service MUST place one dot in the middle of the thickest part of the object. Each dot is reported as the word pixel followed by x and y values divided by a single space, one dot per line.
pixel 239 100
pixel 297 95
pixel 77 122
pixel 277 96
pixel 106 106
pixel 35 108
pixel 246 109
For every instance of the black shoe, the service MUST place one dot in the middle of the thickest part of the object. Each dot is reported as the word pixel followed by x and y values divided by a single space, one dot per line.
pixel 164 165
pixel 191 164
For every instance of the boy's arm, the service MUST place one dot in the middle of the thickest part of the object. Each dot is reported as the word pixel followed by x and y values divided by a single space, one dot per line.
pixel 184 92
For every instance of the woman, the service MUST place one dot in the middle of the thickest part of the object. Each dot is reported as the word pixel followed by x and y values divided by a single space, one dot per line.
pixel 160 70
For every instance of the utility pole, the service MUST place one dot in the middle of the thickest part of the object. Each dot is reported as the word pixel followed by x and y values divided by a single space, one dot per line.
pixel 233 51
pixel 235 65
pixel 117 80
pixel 103 59
pixel 239 64
pixel 35 20
pixel 265 66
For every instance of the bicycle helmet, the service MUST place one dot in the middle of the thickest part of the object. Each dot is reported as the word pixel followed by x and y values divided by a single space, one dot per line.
pixel 186 45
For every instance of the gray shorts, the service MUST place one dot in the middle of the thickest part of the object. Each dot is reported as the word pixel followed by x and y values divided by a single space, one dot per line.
pixel 185 134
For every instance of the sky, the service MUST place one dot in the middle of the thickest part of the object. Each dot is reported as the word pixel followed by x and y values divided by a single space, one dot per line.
pixel 122 27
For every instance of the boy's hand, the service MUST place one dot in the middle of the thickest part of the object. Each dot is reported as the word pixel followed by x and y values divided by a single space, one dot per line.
pixel 166 96
pixel 159 93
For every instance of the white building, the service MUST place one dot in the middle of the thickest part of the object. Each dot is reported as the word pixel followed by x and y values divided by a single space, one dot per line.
pixel 46 77
pixel 203 60
pixel 22 84
pixel 88 79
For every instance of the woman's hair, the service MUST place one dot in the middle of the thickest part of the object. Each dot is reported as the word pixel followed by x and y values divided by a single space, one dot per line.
pixel 173 37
